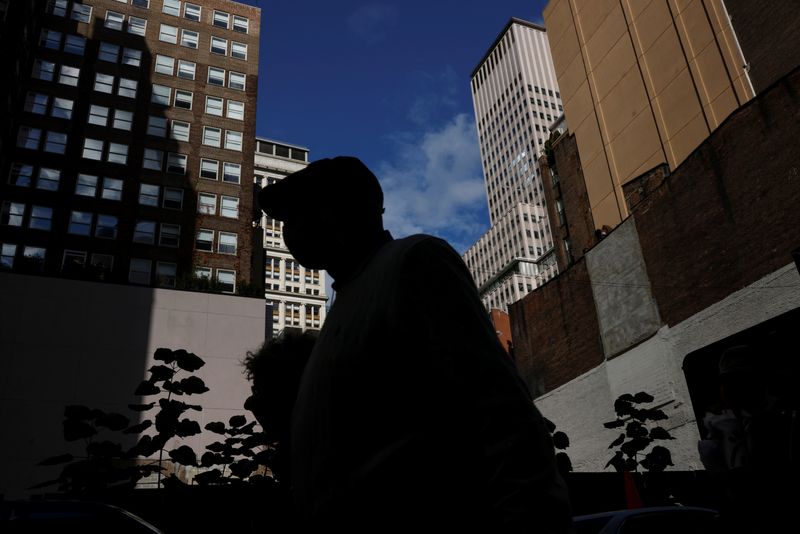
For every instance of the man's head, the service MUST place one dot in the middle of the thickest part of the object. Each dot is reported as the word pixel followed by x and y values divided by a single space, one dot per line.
pixel 325 208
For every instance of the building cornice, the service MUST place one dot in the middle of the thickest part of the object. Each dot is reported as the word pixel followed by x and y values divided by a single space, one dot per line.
pixel 511 21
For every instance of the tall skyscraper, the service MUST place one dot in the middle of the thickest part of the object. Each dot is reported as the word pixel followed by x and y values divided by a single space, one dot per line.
pixel 296 295
pixel 516 98
pixel 130 150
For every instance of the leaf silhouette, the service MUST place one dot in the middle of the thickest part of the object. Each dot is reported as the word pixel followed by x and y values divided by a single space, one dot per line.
pixel 563 463
pixel 173 387
pixel 216 447
pixel 75 411
pixel 138 429
pixel 551 426
pixel 237 420
pixel 188 361
pixel 243 468
pixel 617 441
pixel 113 421
pixel 141 407
pixel 623 407
pixel 187 428
pixel 617 462
pixel 630 448
pixel 183 455
pixel 75 429
pixel 193 385
pixel 635 429
pixel 216 427
pixel 146 388
pixel 159 373
pixel 614 424
pixel 659 433
pixel 642 397
pixel 208 477
pixel 560 440
pixel 164 355
pixel 656 415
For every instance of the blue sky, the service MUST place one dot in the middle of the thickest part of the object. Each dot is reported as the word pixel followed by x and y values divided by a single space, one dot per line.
pixel 387 82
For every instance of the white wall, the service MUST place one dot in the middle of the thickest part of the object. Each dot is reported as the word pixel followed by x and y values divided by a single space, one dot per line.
pixel 74 342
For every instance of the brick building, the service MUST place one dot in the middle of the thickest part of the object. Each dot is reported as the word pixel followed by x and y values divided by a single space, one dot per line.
pixel 129 156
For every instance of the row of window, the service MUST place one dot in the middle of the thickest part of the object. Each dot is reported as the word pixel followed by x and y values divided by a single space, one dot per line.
pixel 228 206
pixel 190 11
pixel 216 76
pixel 72 44
pixel 183 99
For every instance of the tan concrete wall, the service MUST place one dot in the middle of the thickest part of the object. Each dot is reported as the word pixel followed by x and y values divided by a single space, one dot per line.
pixel 643 83
pixel 73 342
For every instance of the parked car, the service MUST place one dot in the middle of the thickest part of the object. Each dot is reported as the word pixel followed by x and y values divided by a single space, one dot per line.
pixel 650 520
pixel 70 516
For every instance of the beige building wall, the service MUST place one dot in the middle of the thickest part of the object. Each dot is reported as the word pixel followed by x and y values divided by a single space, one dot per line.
pixel 643 83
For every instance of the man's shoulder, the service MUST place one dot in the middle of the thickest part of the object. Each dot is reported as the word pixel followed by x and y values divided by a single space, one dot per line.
pixel 420 243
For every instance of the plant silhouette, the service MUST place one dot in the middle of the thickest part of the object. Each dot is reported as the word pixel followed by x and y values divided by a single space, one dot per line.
pixel 639 434
pixel 560 442
pixel 106 465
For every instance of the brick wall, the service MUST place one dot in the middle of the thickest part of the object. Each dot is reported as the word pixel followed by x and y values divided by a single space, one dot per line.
pixel 555 331
pixel 730 214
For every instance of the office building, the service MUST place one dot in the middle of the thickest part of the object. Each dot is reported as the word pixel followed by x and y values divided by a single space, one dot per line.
pixel 515 97
pixel 643 84
pixel 295 294
pixel 129 155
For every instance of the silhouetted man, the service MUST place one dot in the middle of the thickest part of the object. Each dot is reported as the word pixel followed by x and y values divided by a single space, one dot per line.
pixel 409 413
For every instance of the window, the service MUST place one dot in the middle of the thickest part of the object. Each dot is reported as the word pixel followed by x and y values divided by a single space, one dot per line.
pixel 137 26
pixel 179 131
pixel 215 76
pixel 209 169
pixel 186 69
pixel 170 235
pixel 202 272
pixel 57 7
pixel 44 70
pixel 232 173
pixel 36 103
pixel 93 149
pixel 12 213
pixel 48 179
pixel 148 195
pixel 102 264
pixel 227 280
pixel 106 227
pixel 86 185
pixel 69 75
pixel 176 163
pixel 123 119
pixel 207 204
pixel 189 38
pixel 153 159
pixel 183 99
pixel 236 80
pixel 62 108
pixel 98 115
pixel 132 57
pixel 7 253
pixel 108 52
pixel 144 232
pixel 55 142
pixel 156 126
pixel 166 274
pixel 103 83
pixel 34 258
pixel 218 45
pixel 191 11
pixel 161 95
pixel 140 271
pixel 168 34
pixel 212 136
pixel 80 12
pixel 173 198
pixel 204 240
pixel 80 223
pixel 227 243
pixel 141 3
pixel 117 153
pixel 29 137
pixel 114 20
pixel 50 39
pixel 172 7
pixel 235 110
pixel 229 207
pixel 165 65
pixel 112 189
pixel 240 24
pixel 214 106
pixel 238 50
pixel 233 140
pixel 127 88
pixel 21 175
pixel 220 19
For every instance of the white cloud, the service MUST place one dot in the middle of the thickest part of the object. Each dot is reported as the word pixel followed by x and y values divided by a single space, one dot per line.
pixel 436 186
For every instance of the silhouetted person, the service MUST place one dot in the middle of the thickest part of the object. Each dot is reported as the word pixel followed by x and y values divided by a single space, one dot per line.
pixel 409 415
pixel 275 371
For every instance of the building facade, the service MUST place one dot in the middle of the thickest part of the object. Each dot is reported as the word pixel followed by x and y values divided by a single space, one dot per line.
pixel 296 295
pixel 643 83
pixel 131 141
pixel 516 98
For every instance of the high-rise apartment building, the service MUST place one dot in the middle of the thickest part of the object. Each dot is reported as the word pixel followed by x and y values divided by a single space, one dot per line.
pixel 644 83
pixel 129 157
pixel 516 98
pixel 296 295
